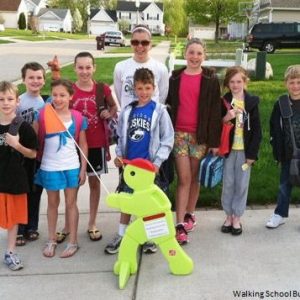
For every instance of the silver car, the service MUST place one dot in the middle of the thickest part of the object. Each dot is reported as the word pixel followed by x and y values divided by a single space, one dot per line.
pixel 114 37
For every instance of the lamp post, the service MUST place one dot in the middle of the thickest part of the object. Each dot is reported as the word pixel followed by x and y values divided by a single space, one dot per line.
pixel 88 11
pixel 137 5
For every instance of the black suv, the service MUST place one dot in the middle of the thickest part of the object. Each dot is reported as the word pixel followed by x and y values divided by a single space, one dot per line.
pixel 271 36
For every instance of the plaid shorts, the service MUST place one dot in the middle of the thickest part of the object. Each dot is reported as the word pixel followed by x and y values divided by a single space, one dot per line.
pixel 186 145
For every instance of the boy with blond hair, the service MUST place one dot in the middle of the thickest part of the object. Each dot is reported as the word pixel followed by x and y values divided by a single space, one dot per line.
pixel 282 144
pixel 13 178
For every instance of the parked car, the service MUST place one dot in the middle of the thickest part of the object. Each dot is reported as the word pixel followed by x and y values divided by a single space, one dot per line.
pixel 114 37
pixel 272 36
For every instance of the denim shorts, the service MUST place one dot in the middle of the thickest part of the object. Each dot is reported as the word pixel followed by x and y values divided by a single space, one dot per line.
pixel 186 145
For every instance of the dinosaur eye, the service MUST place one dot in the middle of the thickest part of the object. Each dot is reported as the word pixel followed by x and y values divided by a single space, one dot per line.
pixel 132 173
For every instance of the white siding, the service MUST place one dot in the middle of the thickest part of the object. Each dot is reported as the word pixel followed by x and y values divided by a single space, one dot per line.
pixel 11 19
pixel 67 22
pixel 153 17
pixel 206 33
pixel 102 22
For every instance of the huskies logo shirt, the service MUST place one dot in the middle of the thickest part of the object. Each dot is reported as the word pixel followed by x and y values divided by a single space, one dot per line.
pixel 139 131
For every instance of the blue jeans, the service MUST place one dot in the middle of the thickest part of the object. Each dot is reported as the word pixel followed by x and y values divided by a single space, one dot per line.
pixel 285 190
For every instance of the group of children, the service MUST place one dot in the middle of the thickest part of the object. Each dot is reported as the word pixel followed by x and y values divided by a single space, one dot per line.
pixel 182 115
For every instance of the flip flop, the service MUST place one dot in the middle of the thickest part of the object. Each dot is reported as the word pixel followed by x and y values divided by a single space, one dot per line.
pixel 20 240
pixel 61 236
pixel 94 234
pixel 49 250
pixel 70 250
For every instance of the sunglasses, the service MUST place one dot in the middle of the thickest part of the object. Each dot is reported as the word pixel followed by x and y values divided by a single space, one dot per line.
pixel 144 43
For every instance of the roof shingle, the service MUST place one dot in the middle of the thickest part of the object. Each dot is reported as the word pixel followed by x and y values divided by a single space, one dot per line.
pixel 130 5
pixel 9 5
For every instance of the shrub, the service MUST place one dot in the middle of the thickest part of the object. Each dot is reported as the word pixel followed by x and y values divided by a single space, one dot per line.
pixel 2 20
pixel 22 21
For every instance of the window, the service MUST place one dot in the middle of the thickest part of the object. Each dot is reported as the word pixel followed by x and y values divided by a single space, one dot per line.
pixel 157 16
pixel 287 28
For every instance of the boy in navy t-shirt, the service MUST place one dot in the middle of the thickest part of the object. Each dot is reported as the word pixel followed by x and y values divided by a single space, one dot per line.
pixel 145 131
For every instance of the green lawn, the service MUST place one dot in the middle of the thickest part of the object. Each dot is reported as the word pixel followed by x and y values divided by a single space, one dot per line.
pixel 29 36
pixel 265 173
pixel 104 72
pixel 5 42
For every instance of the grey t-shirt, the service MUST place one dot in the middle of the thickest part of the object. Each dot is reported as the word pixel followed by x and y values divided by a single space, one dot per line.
pixel 29 107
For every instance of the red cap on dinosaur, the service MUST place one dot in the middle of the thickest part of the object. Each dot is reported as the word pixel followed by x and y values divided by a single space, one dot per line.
pixel 140 163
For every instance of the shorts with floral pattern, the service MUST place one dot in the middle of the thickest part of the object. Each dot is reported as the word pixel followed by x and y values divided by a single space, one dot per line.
pixel 186 145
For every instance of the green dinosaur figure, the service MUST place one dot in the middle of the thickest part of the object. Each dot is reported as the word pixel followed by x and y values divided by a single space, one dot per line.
pixel 154 221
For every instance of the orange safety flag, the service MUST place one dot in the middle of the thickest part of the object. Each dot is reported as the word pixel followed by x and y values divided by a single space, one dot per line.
pixel 53 123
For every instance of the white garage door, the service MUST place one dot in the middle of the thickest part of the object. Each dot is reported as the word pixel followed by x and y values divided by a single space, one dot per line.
pixel 100 28
pixel 49 27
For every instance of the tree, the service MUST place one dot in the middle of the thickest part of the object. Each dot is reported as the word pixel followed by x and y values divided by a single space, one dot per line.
pixel 216 11
pixel 22 21
pixel 77 21
pixel 174 16
pixel 124 25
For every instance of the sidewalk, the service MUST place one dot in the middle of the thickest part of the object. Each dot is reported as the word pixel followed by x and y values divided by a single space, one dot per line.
pixel 257 261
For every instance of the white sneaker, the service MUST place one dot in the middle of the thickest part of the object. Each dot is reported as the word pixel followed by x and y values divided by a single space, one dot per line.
pixel 275 221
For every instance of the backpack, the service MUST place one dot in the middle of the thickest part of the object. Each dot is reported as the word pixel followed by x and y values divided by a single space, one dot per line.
pixel 110 125
pixel 14 128
pixel 15 125
pixel 211 170
pixel 287 113
pixel 76 116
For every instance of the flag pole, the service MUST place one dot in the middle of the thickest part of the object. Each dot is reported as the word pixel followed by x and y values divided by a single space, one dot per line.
pixel 76 144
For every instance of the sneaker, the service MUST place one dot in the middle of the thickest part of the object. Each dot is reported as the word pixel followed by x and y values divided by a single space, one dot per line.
pixel 113 246
pixel 275 221
pixel 149 248
pixel 181 234
pixel 189 222
pixel 12 261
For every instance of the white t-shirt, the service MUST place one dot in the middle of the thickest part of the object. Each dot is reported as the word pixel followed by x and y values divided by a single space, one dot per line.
pixel 29 107
pixel 123 80
pixel 58 157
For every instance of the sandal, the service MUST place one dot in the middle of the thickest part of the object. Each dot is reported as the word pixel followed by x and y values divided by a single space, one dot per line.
pixel 32 235
pixel 49 250
pixel 70 250
pixel 61 236
pixel 20 240
pixel 94 234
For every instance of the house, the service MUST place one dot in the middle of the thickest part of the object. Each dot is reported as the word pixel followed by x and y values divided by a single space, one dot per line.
pixel 55 19
pixel 206 32
pixel 34 6
pixel 10 10
pixel 148 13
pixel 102 20
pixel 275 11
